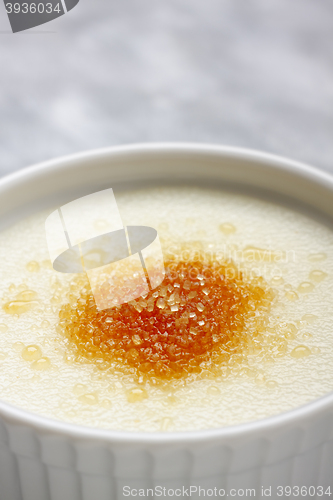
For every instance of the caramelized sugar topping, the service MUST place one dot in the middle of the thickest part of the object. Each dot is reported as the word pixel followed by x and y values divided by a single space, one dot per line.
pixel 203 315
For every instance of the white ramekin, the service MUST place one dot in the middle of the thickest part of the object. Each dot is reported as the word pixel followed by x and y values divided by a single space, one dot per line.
pixel 44 459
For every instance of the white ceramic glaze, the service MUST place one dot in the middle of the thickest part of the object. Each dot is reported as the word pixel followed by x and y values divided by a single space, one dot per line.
pixel 44 459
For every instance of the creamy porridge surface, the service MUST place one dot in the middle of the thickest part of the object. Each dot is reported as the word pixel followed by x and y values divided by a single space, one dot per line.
pixel 291 252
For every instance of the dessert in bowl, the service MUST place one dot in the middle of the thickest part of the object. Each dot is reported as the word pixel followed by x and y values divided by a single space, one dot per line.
pixel 238 331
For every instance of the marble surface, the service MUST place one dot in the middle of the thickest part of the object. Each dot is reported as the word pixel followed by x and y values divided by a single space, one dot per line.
pixel 252 73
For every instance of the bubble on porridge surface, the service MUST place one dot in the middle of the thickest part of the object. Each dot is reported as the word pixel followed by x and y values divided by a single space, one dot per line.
pixel 3 328
pixel 309 318
pixel 24 301
pixel 3 356
pixel 227 228
pixel 317 275
pixel 136 395
pixel 271 384
pixel 88 399
pixel 305 287
pixel 301 351
pixel 27 295
pixel 31 353
pixel 317 257
pixel 18 346
pixel 80 389
pixel 106 403
pixel 33 266
pixel 41 364
pixel 260 378
pixel 19 307
pixel 213 390
pixel 292 296
pixel 277 280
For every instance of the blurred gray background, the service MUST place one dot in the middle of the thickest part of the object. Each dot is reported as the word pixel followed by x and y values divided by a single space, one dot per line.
pixel 251 73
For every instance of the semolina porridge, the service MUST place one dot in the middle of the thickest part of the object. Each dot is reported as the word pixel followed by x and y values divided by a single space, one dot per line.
pixel 240 328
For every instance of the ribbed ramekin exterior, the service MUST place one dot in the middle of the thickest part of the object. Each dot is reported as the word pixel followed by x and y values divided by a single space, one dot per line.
pixel 42 465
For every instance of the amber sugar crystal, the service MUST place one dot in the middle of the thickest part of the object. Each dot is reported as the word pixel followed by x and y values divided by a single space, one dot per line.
pixel 203 315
